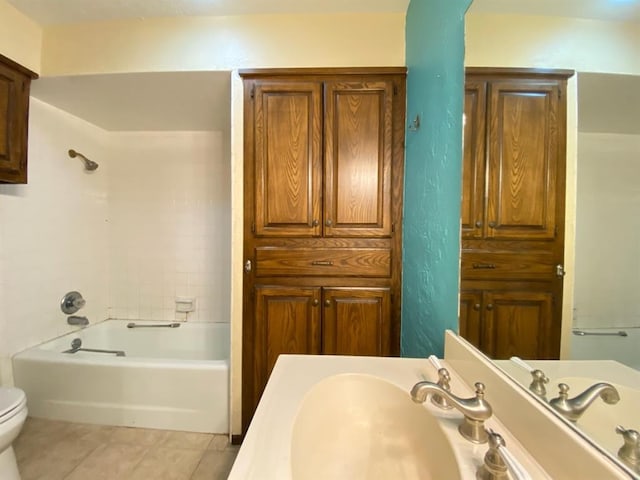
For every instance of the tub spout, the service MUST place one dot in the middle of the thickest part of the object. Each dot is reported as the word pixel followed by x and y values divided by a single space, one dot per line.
pixel 475 409
pixel 573 408
pixel 77 320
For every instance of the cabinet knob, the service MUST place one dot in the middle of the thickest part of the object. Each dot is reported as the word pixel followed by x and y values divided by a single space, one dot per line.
pixel 490 306
pixel 476 306
pixel 329 222
pixel 315 302
pixel 478 224
pixel 315 223
pixel 492 224
pixel 327 303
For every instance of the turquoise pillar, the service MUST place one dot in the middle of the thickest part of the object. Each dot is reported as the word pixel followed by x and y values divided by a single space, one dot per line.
pixel 431 235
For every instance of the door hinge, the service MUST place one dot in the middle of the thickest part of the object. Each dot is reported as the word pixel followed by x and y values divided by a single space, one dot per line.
pixel 560 271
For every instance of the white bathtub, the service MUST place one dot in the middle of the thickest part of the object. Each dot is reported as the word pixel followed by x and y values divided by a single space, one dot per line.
pixel 170 378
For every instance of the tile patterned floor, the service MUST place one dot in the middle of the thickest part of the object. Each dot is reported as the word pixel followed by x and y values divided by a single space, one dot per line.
pixel 52 450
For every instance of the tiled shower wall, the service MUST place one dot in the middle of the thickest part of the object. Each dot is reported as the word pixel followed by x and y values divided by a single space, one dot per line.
pixel 169 230
pixel 53 233
pixel 607 231
pixel 151 223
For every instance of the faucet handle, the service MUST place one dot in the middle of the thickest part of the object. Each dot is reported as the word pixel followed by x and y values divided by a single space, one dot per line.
pixel 443 380
pixel 629 453
pixel 538 381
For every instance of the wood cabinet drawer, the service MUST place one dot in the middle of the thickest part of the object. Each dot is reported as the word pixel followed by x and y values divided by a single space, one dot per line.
pixel 507 265
pixel 360 262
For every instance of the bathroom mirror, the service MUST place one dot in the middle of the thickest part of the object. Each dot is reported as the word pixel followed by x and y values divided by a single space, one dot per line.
pixel 606 276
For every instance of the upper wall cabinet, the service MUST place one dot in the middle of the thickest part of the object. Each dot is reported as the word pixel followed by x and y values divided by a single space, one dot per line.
pixel 323 157
pixel 15 82
pixel 511 178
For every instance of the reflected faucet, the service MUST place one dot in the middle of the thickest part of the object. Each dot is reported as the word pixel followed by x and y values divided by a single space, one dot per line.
pixel 573 408
pixel 475 409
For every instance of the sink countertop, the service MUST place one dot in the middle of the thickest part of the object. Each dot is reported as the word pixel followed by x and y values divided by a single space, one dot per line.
pixel 266 451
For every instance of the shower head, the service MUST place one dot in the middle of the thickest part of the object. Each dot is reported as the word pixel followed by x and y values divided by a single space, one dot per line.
pixel 88 164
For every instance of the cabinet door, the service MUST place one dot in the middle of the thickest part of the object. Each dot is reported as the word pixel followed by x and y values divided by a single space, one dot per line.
pixel 358 149
pixel 525 172
pixel 14 108
pixel 288 163
pixel 357 321
pixel 518 323
pixel 473 160
pixel 470 325
pixel 287 320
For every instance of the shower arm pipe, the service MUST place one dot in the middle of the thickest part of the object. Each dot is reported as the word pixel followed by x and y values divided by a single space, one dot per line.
pixel 88 164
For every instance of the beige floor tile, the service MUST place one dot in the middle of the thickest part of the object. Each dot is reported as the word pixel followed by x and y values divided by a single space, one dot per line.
pixel 162 463
pixel 110 461
pixel 138 436
pixel 191 440
pixel 218 442
pixel 215 465
pixel 56 460
pixel 98 433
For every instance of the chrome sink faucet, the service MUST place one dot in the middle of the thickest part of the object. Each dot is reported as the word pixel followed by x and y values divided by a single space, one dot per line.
pixel 573 408
pixel 475 409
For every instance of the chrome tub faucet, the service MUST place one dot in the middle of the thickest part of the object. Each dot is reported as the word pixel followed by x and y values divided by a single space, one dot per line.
pixel 77 320
pixel 573 408
pixel 475 409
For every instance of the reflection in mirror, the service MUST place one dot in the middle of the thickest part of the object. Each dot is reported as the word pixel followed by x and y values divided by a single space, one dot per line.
pixel 605 337
pixel 598 415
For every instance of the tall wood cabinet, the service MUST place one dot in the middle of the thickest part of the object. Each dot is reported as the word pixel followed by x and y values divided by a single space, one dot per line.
pixel 323 208
pixel 15 82
pixel 513 211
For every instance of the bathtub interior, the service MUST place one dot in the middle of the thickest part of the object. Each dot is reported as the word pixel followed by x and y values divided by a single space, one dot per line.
pixel 172 379
pixel 189 341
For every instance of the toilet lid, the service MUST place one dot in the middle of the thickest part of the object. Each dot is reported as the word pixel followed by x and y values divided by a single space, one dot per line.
pixel 10 400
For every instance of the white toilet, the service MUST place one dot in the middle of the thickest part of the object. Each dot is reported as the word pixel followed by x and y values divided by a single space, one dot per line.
pixel 13 413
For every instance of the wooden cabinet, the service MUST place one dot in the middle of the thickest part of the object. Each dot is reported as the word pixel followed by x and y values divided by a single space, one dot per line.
pixel 322 208
pixel 347 191
pixel 513 172
pixel 513 211
pixel 504 321
pixel 15 82
pixel 317 320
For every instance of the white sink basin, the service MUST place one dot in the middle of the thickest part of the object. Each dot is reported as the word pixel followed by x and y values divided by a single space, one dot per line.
pixel 600 419
pixel 355 426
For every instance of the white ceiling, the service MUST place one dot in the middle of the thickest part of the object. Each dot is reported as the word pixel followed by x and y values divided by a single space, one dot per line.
pixel 49 12
pixel 143 101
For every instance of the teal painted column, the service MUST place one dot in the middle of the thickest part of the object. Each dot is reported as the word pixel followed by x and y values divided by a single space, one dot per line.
pixel 433 171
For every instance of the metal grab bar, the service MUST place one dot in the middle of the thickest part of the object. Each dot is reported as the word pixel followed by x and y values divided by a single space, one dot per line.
pixel 117 353
pixel 158 325
pixel 620 333
pixel 76 346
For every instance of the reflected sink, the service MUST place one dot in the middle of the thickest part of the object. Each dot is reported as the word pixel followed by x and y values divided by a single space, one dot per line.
pixel 600 419
pixel 356 426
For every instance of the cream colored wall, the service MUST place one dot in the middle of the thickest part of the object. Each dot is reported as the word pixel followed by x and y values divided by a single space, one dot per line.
pixel 227 43
pixel 554 42
pixel 20 37
pixel 224 43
